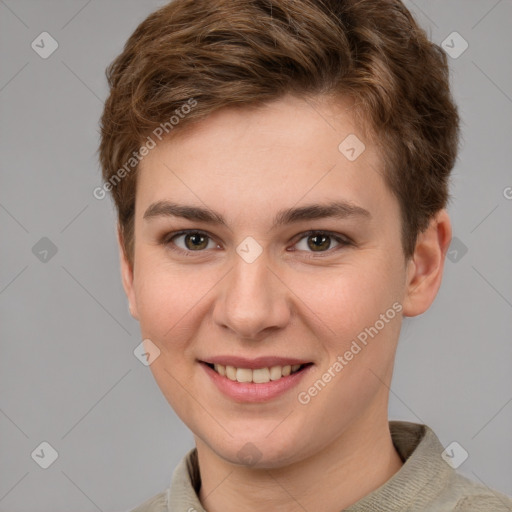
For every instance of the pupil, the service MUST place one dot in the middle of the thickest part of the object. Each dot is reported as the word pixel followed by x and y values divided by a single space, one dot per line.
pixel 195 237
pixel 321 245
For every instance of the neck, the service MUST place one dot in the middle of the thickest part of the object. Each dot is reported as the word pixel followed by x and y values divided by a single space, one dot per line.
pixel 362 459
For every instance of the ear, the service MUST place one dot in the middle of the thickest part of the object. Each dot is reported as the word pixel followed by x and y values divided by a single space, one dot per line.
pixel 425 268
pixel 126 275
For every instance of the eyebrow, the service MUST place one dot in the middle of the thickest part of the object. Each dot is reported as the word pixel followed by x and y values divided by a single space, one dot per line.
pixel 334 209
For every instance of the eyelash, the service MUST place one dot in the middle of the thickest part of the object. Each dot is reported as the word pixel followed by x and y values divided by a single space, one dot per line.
pixel 167 240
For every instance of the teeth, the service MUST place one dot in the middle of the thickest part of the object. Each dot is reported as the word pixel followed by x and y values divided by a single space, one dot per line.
pixel 259 375
pixel 230 372
pixel 220 369
pixel 243 375
pixel 275 373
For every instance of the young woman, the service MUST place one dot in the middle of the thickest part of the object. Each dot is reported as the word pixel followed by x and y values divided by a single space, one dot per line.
pixel 280 172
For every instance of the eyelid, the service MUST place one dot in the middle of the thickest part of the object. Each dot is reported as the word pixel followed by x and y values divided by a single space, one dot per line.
pixel 342 240
pixel 166 240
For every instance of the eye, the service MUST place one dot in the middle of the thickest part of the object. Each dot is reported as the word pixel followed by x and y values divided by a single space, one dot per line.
pixel 192 241
pixel 320 241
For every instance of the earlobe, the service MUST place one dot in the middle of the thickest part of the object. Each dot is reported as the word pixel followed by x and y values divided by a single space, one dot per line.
pixel 126 275
pixel 425 269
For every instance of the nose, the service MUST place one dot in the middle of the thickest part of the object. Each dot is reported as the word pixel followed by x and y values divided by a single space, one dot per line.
pixel 253 301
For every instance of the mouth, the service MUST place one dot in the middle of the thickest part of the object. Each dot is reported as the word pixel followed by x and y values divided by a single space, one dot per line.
pixel 261 375
pixel 256 380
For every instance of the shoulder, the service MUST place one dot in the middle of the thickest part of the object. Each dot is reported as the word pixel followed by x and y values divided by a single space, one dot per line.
pixel 157 503
pixel 480 502
pixel 476 497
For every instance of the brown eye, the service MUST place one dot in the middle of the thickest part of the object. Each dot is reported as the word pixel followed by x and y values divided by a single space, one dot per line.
pixel 319 242
pixel 195 241
pixel 189 241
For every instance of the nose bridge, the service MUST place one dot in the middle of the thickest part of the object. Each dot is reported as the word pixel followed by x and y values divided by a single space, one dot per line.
pixel 250 279
pixel 253 299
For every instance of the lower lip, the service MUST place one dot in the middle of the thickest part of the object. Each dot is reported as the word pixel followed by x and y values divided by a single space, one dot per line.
pixel 252 392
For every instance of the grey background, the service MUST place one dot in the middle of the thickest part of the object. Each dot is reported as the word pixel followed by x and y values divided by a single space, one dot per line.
pixel 68 374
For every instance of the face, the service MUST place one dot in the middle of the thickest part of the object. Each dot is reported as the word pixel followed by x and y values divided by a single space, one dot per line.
pixel 259 243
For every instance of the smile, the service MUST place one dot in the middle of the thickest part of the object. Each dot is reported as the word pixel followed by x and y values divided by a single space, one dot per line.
pixel 256 375
pixel 265 380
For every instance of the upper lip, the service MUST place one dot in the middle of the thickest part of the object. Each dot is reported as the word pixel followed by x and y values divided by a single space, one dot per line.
pixel 258 362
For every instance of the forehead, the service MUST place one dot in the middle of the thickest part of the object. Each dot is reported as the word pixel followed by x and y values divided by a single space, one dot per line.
pixel 261 159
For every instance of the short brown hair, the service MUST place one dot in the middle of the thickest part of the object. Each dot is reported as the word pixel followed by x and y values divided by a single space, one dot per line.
pixel 222 53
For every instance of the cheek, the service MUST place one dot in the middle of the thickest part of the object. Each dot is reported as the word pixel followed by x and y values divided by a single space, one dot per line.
pixel 172 300
pixel 164 297
pixel 345 298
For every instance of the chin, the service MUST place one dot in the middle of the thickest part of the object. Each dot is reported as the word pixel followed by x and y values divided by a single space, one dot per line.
pixel 258 452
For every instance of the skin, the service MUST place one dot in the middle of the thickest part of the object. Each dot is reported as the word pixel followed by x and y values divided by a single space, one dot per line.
pixel 247 164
